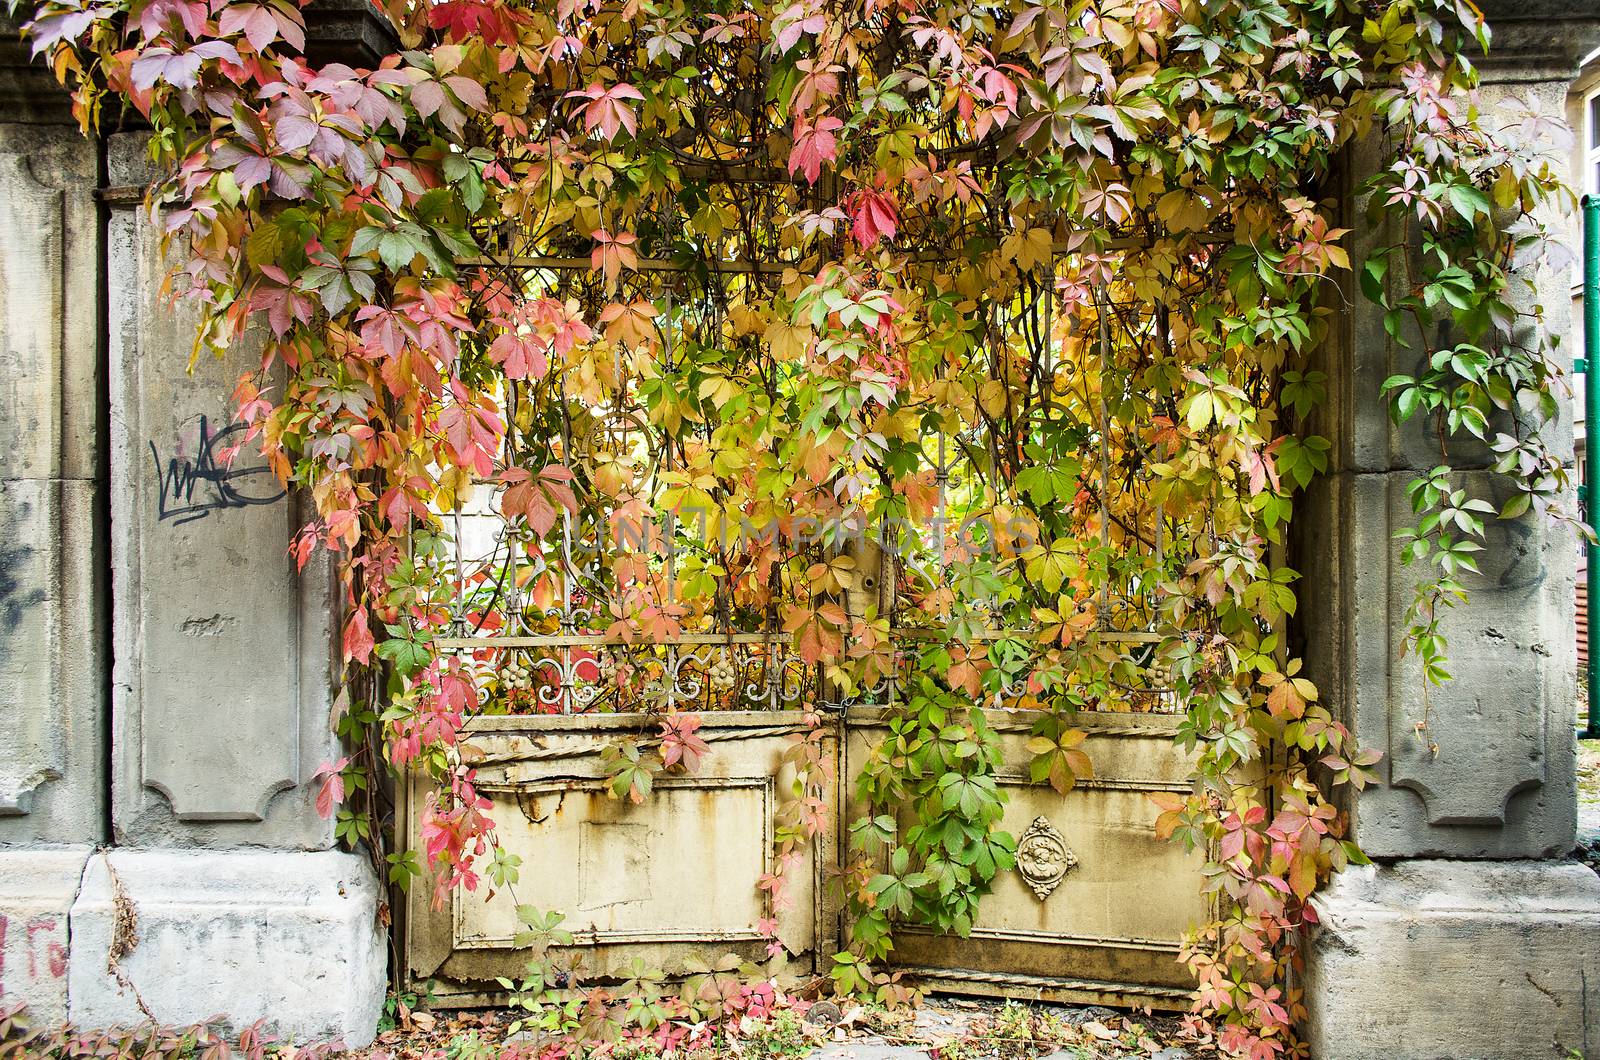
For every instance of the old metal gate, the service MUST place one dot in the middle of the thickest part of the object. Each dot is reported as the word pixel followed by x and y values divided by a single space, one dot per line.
pixel 1093 911
pixel 673 877
pixel 1096 906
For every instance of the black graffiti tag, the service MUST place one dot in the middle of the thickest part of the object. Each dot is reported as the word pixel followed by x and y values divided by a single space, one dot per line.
pixel 194 489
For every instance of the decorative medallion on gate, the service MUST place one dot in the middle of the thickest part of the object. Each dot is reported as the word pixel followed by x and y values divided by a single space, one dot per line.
pixel 1043 857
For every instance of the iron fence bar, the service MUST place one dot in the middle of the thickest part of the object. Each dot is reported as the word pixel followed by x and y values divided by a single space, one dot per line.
pixel 643 265
pixel 1100 311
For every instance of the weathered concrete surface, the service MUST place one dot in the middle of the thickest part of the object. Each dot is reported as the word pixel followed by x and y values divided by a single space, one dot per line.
pixel 48 268
pixel 1537 40
pixel 1363 354
pixel 224 654
pixel 1453 959
pixel 52 665
pixel 1425 958
pixel 29 92
pixel 37 888
pixel 286 936
pixel 1501 783
pixel 52 608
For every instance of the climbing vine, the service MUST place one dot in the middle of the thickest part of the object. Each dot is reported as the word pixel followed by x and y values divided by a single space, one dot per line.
pixel 1041 281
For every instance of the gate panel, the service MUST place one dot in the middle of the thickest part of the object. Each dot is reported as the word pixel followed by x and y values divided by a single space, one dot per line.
pixel 674 876
pixel 1097 905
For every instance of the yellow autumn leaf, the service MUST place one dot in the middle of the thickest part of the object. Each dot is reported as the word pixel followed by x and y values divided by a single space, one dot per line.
pixel 1183 211
pixel 787 342
pixel 718 389
pixel 1029 248
pixel 728 461
pixel 747 320
pixel 992 396
pixel 1199 410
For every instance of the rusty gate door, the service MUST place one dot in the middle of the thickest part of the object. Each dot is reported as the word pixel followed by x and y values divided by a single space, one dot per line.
pixel 1093 911
pixel 674 877
pixel 1096 906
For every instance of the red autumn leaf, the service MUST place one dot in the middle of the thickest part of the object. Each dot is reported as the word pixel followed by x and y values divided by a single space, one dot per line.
pixel 385 331
pixel 277 295
pixel 872 217
pixel 331 793
pixel 472 435
pixel 1285 698
pixel 495 23
pixel 964 673
pixel 358 642
pixel 562 322
pixel 305 542
pixel 1172 806
pixel 521 355
pixel 49 30
pixel 631 325
pixel 468 91
pixel 538 499
pixel 612 254
pixel 178 69
pixel 261 24
pixel 818 634
pixel 680 742
pixel 819 80
pixel 795 20
pixel 608 109
pixel 661 622
pixel 400 503
pixel 814 144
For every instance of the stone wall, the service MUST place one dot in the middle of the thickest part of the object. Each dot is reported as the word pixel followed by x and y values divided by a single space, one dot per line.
pixel 170 673
pixel 1470 936
pixel 176 781
pixel 54 665
pixel 214 607
pixel 52 613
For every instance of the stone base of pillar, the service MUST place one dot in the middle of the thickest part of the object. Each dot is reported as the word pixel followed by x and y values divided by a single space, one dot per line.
pixel 1432 958
pixel 37 888
pixel 287 936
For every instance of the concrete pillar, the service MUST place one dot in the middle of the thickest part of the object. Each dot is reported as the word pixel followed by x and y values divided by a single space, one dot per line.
pixel 53 663
pixel 225 661
pixel 166 673
pixel 1470 936
pixel 224 655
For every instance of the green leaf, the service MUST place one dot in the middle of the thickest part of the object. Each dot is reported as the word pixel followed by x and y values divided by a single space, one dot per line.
pixel 397 251
pixel 1373 273
pixel 1517 505
pixel 405 655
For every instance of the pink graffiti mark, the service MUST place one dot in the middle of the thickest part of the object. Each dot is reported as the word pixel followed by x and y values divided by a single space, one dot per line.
pixel 55 953
pixel 4 924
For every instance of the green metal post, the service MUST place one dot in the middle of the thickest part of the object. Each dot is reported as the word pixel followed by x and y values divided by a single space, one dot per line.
pixel 1591 440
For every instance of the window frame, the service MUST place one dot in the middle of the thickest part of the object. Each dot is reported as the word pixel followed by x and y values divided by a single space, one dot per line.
pixel 1591 142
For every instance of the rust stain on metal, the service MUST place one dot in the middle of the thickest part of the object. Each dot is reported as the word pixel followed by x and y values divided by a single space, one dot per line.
pixel 531 803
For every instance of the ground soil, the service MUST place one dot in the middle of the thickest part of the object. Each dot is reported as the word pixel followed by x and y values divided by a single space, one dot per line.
pixel 941 1028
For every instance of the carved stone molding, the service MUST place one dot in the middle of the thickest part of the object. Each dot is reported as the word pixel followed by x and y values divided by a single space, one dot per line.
pixel 1043 857
pixel 52 668
pixel 223 651
pixel 1538 40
